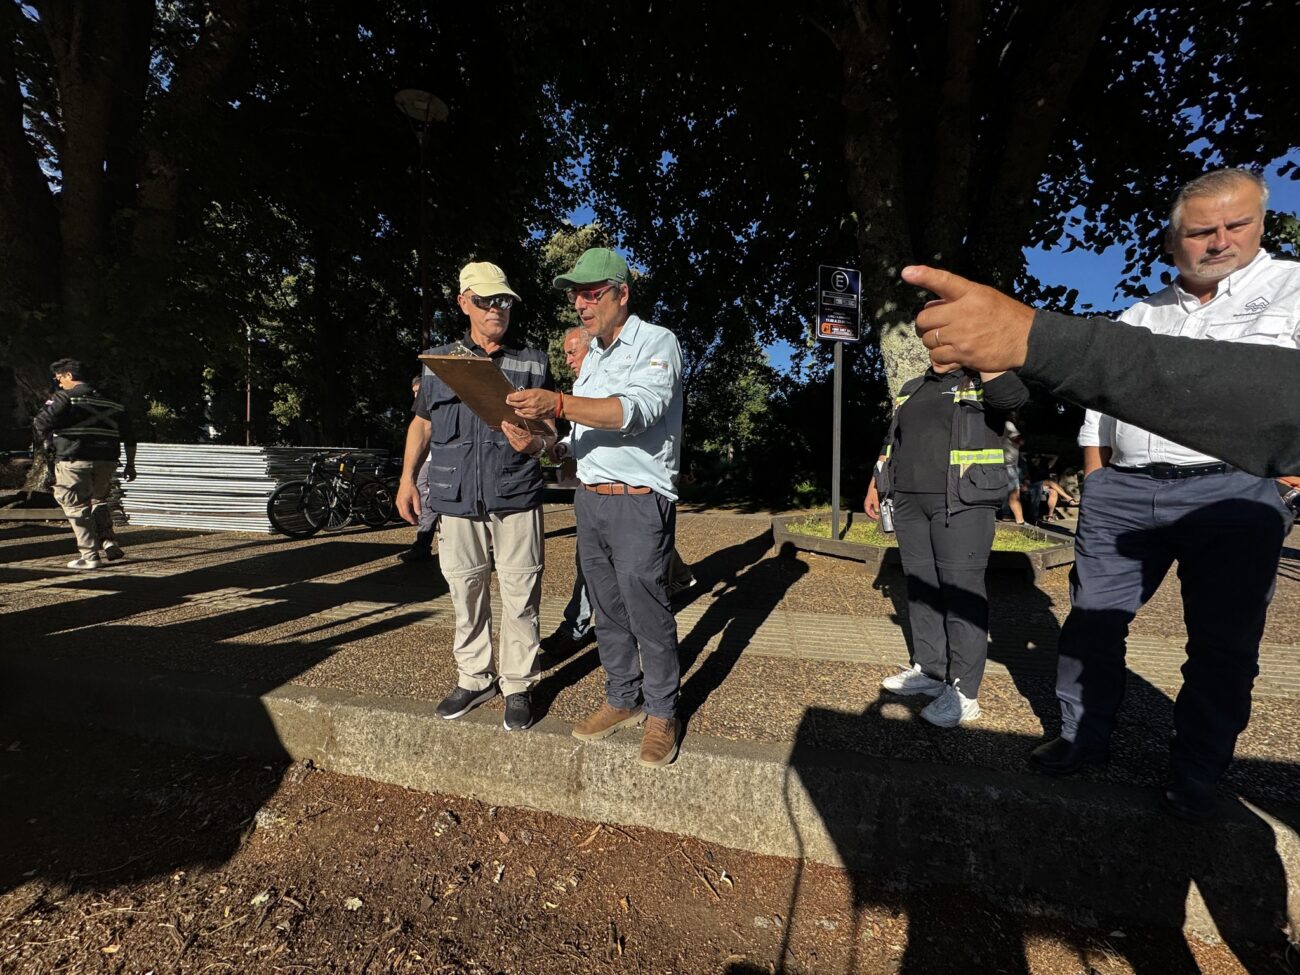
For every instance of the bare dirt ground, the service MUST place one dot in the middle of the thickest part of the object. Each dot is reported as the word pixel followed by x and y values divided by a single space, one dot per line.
pixel 129 856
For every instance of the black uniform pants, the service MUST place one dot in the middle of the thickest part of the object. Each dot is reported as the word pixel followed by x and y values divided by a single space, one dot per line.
pixel 944 558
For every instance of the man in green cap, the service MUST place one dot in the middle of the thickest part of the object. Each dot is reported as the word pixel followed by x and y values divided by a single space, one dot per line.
pixel 626 411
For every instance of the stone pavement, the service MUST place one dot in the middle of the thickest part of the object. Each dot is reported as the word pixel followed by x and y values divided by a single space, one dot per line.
pixel 338 611
pixel 333 650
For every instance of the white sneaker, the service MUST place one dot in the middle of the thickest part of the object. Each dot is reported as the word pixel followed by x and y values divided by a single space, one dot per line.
pixel 90 563
pixel 951 708
pixel 913 680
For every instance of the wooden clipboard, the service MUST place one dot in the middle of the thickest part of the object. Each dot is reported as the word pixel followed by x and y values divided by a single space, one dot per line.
pixel 482 386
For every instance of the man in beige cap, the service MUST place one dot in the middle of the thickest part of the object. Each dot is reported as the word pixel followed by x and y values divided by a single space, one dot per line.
pixel 487 486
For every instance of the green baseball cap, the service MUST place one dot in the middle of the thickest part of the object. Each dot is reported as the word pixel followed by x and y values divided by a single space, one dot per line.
pixel 596 264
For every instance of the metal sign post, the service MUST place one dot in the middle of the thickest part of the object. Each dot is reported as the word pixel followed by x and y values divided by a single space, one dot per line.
pixel 839 320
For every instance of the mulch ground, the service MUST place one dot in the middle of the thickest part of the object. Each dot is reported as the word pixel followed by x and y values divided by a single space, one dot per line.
pixel 127 856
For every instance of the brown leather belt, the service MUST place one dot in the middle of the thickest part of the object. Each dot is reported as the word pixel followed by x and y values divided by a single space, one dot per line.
pixel 617 487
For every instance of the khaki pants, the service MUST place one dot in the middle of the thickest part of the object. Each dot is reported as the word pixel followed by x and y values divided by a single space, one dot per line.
pixel 82 487
pixel 467 548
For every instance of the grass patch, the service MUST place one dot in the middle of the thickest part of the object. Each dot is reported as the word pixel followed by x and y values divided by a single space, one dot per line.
pixel 866 532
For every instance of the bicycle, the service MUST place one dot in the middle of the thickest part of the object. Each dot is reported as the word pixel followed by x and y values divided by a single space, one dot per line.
pixel 334 494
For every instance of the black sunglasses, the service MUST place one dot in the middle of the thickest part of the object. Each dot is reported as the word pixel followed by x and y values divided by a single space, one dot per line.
pixel 496 301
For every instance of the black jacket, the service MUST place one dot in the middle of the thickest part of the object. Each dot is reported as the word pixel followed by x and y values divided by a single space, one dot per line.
pixel 83 424
pixel 1232 400
pixel 976 474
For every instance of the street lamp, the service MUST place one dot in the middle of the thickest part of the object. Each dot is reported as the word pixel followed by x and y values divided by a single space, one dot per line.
pixel 422 108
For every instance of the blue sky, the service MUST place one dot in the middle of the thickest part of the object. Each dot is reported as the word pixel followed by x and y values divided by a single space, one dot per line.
pixel 1095 275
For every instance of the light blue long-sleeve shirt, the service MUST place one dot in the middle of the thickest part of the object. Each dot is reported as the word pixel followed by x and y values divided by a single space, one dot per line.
pixel 643 369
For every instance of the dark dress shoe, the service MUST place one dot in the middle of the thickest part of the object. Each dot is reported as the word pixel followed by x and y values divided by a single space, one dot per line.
pixel 1061 757
pixel 1191 800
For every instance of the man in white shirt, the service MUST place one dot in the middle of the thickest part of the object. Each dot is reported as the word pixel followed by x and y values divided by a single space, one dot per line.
pixel 1149 502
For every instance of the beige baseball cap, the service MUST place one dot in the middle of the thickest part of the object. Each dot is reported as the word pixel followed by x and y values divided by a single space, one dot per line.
pixel 485 280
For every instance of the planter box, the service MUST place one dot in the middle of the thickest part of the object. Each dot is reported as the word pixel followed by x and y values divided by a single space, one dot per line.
pixel 1033 564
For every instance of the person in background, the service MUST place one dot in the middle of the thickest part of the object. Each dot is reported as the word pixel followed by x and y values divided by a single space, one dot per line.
pixel 943 470
pixel 421 548
pixel 88 431
pixel 1012 441
pixel 576 630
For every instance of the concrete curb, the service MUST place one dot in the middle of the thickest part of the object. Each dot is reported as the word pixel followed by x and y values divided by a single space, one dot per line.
pixel 1083 850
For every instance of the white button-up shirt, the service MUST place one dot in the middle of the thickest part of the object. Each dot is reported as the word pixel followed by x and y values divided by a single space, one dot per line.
pixel 1258 303
pixel 643 368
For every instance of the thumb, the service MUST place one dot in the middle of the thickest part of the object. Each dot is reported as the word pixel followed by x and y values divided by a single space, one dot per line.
pixel 945 284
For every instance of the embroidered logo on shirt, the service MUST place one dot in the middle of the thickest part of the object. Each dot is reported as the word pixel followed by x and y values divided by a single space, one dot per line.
pixel 1258 305
pixel 658 363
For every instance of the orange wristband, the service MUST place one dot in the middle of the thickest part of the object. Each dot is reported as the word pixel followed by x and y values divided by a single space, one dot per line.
pixel 559 406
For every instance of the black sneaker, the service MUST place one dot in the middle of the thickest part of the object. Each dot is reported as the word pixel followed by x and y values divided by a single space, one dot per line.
pixel 519 712
pixel 414 554
pixel 462 701
pixel 113 552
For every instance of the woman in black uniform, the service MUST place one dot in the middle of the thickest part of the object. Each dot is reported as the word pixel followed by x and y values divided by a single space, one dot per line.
pixel 941 470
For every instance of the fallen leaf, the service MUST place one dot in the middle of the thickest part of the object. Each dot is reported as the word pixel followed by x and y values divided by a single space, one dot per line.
pixel 590 836
pixel 501 869
pixel 502 837
pixel 352 904
pixel 624 903
pixel 550 905
pixel 111 949
pixel 261 898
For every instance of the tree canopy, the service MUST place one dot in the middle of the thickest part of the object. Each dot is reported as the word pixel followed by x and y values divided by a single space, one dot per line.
pixel 199 191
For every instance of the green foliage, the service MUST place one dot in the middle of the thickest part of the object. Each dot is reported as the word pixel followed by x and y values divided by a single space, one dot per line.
pixel 864 532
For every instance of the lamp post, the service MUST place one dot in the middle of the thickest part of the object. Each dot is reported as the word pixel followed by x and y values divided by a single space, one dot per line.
pixel 422 108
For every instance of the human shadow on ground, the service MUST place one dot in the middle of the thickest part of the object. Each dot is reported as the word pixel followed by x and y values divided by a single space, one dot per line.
pixel 57 542
pixel 918 838
pixel 742 601
pixel 166 656
pixel 728 567
pixel 1101 852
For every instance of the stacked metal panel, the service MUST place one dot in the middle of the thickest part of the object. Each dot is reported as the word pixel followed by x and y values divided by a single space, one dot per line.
pixel 217 486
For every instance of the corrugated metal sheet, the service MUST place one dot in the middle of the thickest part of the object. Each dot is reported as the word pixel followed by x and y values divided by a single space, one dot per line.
pixel 216 486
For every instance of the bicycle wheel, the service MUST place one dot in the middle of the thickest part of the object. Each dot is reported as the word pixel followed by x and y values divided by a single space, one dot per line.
pixel 296 509
pixel 337 511
pixel 391 484
pixel 373 503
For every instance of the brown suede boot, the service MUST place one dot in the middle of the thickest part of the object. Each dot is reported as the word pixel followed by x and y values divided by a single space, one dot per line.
pixel 606 721
pixel 659 741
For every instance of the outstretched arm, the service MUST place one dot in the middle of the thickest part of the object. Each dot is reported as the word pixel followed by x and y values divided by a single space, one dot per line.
pixel 1232 400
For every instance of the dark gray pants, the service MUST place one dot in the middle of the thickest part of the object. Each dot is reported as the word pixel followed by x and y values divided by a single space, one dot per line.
pixel 944 558
pixel 624 542
pixel 1226 532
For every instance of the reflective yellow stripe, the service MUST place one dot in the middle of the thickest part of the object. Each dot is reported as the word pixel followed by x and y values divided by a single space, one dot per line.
pixel 900 400
pixel 965 458
pixel 93 401
pixel 977 395
pixel 81 431
pixel 889 449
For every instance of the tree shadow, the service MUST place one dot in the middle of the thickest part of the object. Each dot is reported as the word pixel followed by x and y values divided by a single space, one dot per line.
pixel 51 542
pixel 165 653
